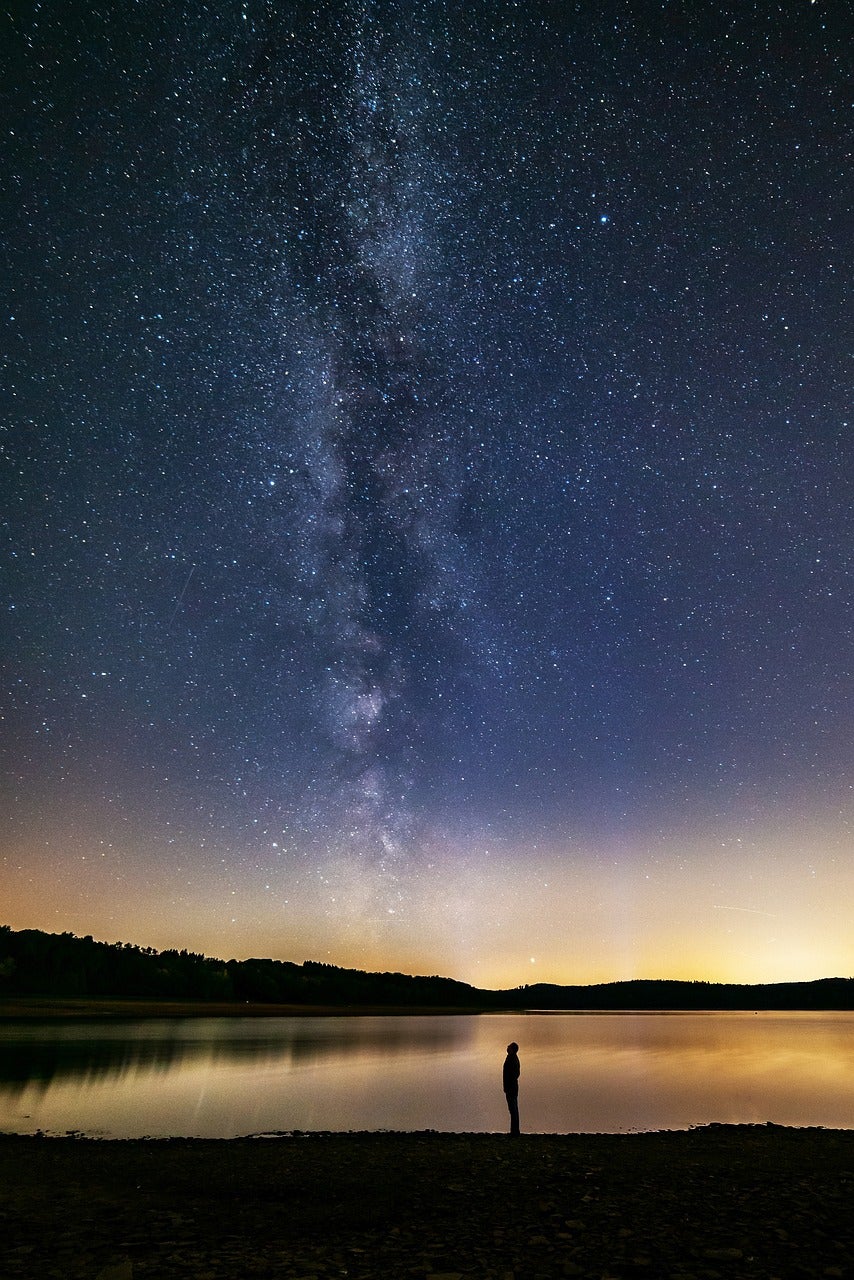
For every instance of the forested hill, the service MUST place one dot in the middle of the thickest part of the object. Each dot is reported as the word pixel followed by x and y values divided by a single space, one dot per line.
pixel 33 963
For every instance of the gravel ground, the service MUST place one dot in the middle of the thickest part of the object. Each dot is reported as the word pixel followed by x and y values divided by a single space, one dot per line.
pixel 721 1201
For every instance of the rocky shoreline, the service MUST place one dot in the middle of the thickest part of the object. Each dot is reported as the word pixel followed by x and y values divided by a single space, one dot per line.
pixel 721 1201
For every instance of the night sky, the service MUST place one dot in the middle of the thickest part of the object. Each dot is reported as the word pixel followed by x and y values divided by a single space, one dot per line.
pixel 427 513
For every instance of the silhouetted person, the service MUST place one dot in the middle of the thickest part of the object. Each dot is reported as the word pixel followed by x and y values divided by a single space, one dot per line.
pixel 511 1084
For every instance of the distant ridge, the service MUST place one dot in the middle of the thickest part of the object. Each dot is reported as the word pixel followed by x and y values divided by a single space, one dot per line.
pixel 669 993
pixel 61 965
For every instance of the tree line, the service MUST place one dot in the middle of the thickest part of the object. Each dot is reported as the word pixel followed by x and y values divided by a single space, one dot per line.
pixel 33 963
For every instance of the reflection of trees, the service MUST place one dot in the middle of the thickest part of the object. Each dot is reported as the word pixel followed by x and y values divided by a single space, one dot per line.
pixel 88 1055
pixel 40 1062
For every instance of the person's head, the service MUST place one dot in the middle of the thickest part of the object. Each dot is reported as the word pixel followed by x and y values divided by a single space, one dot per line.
pixel 513 1047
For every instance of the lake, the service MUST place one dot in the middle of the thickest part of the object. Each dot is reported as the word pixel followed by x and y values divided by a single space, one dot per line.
pixel 607 1073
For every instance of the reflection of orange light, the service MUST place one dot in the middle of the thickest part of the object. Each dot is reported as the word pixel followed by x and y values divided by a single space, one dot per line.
pixel 601 1073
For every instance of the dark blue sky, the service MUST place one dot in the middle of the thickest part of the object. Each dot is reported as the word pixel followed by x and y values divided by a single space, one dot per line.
pixel 427 451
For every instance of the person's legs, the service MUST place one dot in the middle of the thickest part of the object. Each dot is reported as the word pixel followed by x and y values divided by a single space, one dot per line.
pixel 513 1108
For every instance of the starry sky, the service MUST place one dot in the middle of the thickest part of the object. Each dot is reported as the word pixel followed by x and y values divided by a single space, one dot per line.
pixel 427 484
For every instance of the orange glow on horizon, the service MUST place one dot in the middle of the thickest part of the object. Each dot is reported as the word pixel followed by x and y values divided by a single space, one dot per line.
pixel 719 912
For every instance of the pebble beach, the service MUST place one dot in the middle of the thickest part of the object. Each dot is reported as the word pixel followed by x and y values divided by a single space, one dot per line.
pixel 703 1204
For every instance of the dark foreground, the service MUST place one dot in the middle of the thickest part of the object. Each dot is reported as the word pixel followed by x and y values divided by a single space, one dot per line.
pixel 713 1202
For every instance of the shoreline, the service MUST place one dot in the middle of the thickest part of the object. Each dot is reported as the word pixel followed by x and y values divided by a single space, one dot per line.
pixel 757 1201
pixel 48 1008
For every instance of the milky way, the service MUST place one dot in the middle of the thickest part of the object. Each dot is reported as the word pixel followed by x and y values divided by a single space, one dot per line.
pixel 429 483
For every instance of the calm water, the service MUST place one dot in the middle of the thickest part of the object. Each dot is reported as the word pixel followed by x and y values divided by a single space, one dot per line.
pixel 220 1077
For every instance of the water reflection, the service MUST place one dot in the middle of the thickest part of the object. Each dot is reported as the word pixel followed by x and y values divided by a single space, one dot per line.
pixel 41 1054
pixel 607 1073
